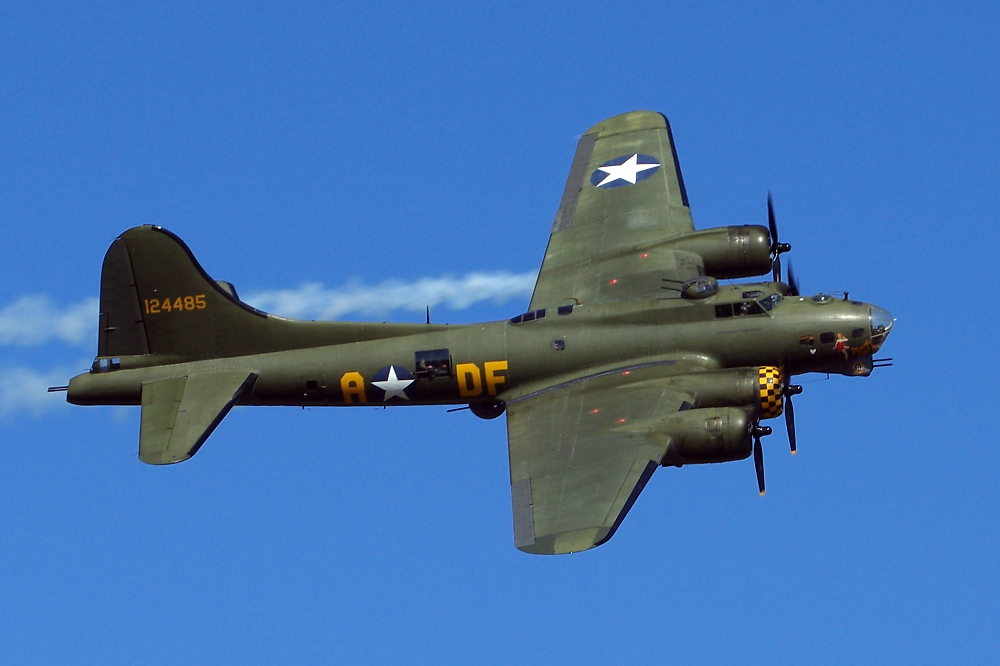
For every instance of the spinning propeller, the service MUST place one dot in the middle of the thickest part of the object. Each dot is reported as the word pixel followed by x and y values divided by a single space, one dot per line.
pixel 758 431
pixel 787 390
pixel 777 249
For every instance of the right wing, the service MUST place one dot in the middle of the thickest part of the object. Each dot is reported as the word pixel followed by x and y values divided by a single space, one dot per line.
pixel 582 450
pixel 624 194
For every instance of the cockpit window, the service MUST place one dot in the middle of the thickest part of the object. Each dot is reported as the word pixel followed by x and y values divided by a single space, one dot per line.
pixel 739 309
pixel 747 308
pixel 770 302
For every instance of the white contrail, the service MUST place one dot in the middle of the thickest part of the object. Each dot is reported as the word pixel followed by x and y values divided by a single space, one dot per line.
pixel 24 390
pixel 35 320
pixel 314 301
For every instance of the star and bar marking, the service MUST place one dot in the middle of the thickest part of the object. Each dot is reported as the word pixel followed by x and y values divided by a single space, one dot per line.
pixel 394 385
pixel 624 170
pixel 397 382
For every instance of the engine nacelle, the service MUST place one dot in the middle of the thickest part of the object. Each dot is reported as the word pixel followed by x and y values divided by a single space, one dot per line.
pixel 758 389
pixel 730 252
pixel 711 435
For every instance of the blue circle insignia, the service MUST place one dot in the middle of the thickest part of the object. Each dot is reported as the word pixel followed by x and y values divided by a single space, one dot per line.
pixel 394 382
pixel 625 170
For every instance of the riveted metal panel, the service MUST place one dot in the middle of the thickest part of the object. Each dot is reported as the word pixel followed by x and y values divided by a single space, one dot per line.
pixel 524 517
pixel 122 330
pixel 574 183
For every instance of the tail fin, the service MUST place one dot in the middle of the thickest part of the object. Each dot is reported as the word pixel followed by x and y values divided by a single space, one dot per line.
pixel 157 299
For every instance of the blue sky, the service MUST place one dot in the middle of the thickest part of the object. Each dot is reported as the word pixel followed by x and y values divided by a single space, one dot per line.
pixel 390 155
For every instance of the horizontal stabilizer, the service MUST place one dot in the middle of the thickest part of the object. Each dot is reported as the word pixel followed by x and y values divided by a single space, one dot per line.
pixel 178 414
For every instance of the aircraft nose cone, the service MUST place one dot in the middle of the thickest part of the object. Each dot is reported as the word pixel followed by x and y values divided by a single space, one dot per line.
pixel 881 325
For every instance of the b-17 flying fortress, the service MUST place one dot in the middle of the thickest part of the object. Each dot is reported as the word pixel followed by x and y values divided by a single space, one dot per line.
pixel 631 354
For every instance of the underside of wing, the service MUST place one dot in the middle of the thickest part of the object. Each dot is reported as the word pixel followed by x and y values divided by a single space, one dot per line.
pixel 624 195
pixel 179 413
pixel 580 454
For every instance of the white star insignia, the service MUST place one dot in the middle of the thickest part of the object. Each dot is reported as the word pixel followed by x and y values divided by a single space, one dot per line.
pixel 626 171
pixel 393 386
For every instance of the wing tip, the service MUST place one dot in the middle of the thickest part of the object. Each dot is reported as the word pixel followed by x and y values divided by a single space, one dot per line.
pixel 567 543
pixel 632 121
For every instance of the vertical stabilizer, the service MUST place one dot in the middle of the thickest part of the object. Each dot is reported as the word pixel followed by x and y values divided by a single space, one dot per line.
pixel 156 299
pixel 122 331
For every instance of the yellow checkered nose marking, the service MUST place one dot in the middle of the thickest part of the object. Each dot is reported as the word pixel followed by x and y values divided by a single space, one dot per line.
pixel 769 387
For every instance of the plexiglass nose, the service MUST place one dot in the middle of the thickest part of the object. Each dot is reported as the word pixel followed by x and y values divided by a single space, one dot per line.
pixel 881 323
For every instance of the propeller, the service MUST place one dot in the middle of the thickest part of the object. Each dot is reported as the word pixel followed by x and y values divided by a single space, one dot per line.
pixel 758 454
pixel 793 284
pixel 787 392
pixel 776 248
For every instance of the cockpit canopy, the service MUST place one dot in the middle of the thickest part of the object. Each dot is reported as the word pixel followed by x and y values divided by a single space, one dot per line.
pixel 757 306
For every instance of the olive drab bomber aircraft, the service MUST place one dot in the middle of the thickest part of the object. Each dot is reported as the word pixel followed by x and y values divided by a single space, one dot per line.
pixel 631 355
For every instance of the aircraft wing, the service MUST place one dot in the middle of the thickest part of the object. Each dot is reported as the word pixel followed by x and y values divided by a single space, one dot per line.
pixel 581 451
pixel 623 195
pixel 179 413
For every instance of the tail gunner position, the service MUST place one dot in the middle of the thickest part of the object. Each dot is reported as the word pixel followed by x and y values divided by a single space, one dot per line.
pixel 631 355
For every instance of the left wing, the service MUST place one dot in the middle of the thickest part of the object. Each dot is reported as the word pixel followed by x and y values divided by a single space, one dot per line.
pixel 581 451
pixel 624 198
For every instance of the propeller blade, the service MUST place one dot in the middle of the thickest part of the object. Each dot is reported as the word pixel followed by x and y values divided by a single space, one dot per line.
pixel 772 225
pixel 790 423
pixel 793 283
pixel 788 391
pixel 776 247
pixel 758 461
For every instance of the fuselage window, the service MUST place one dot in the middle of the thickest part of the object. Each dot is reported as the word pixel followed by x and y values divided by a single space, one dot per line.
pixel 826 338
pixel 106 365
pixel 432 363
pixel 724 310
pixel 529 316
pixel 565 309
